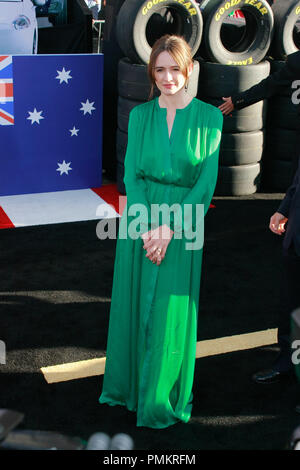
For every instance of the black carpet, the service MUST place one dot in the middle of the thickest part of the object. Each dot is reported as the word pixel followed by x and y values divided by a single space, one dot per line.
pixel 55 288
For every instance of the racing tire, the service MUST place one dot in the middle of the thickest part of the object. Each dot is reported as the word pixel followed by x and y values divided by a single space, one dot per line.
pixel 124 108
pixel 133 81
pixel 286 38
pixel 137 25
pixel 255 41
pixel 241 148
pixel 249 119
pixel 238 180
pixel 121 145
pixel 218 80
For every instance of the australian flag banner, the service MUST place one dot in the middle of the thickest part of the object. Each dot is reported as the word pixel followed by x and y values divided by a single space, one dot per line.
pixel 6 92
pixel 50 123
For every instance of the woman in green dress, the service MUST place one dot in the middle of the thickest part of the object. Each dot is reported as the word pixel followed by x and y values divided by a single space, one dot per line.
pixel 171 168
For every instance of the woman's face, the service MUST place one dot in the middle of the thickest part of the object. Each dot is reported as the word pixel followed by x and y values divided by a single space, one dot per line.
pixel 168 77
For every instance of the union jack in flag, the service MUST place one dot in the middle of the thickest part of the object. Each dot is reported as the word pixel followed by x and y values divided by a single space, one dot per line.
pixel 6 91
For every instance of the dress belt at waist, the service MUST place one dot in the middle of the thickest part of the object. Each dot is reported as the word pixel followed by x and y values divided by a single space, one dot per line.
pixel 165 183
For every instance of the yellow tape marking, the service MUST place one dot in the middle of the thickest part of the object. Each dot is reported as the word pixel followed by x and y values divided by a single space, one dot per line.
pixel 211 347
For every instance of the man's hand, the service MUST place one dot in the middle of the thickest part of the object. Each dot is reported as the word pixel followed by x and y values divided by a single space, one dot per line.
pixel 277 223
pixel 228 106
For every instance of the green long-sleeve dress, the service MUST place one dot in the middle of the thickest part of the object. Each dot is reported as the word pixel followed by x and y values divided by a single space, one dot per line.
pixel 152 336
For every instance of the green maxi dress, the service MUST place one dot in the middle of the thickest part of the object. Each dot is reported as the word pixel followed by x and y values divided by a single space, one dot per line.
pixel 152 335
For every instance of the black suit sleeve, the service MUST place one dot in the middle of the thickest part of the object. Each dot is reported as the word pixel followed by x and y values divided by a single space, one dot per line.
pixel 271 85
pixel 285 205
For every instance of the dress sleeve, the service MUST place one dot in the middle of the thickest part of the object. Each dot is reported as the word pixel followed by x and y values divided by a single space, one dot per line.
pixel 203 189
pixel 136 190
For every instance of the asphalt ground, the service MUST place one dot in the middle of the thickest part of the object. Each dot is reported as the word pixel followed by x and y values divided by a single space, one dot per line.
pixel 55 287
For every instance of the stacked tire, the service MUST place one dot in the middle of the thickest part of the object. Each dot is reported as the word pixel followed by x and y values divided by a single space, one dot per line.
pixel 282 137
pixel 139 25
pixel 133 89
pixel 112 55
pixel 234 50
pixel 243 134
pixel 236 41
pixel 286 38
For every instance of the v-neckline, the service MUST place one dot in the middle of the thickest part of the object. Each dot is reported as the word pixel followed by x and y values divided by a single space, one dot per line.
pixel 178 111
pixel 173 123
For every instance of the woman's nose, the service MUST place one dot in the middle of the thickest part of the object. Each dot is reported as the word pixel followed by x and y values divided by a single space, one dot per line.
pixel 168 75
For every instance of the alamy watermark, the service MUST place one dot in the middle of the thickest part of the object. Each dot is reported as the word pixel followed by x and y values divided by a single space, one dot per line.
pixel 296 93
pixel 187 221
pixel 2 352
pixel 296 353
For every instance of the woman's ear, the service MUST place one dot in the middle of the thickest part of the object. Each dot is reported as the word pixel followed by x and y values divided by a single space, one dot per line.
pixel 190 69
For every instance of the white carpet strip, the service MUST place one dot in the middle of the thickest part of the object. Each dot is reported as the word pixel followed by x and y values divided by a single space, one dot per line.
pixel 56 207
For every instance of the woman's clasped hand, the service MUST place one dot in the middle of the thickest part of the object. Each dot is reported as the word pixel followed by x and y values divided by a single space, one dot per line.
pixel 156 242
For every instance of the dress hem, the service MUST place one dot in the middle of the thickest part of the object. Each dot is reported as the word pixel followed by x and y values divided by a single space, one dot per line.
pixel 140 425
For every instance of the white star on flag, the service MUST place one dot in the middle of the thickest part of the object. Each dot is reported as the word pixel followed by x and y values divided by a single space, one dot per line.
pixel 74 131
pixel 35 116
pixel 63 76
pixel 87 107
pixel 64 167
